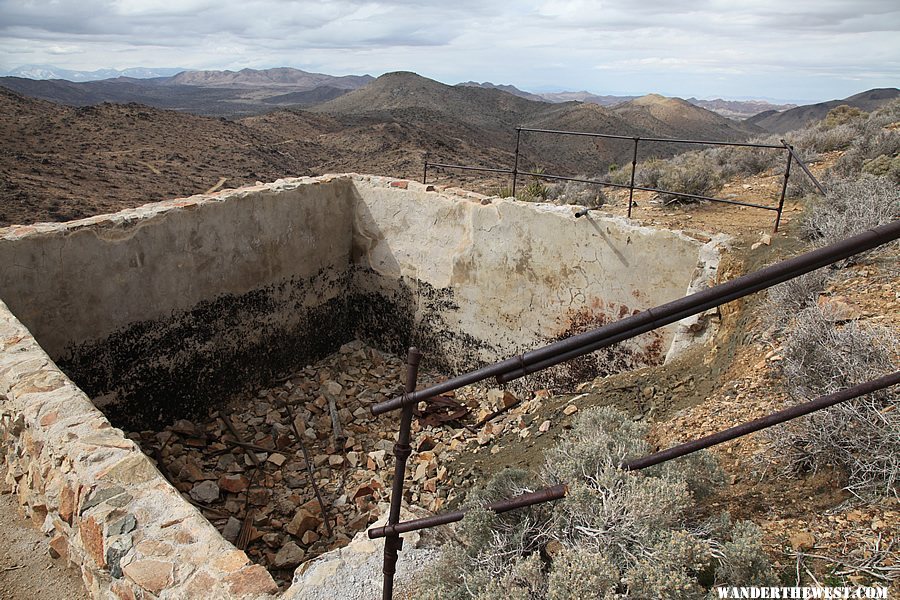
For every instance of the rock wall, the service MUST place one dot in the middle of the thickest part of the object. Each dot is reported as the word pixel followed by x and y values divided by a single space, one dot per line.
pixel 108 509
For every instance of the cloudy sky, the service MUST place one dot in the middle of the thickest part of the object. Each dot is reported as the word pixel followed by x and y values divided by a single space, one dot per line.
pixel 801 50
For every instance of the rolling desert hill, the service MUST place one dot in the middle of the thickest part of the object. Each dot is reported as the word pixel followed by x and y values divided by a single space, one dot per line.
pixel 210 93
pixel 674 117
pixel 61 162
pixel 795 118
pixel 489 117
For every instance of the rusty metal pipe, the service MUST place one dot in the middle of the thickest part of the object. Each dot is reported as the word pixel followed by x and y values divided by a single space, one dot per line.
pixel 542 495
pixel 584 343
pixel 394 544
pixel 559 491
pixel 763 422
pixel 806 170
pixel 649 139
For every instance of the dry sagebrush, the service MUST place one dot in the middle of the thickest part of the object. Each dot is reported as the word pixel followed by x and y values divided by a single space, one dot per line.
pixel 862 436
pixel 617 534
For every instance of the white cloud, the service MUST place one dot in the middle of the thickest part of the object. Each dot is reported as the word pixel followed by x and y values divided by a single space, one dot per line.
pixel 805 49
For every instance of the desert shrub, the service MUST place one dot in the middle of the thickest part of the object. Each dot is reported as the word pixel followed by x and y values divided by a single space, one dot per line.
pixel 743 556
pixel 870 145
pixel 576 192
pixel 842 115
pixel 686 173
pixel 617 534
pixel 825 139
pixel 862 435
pixel 732 161
pixel 504 191
pixel 792 296
pixel 851 207
pixel 582 573
pixel 889 114
pixel 535 190
pixel 883 166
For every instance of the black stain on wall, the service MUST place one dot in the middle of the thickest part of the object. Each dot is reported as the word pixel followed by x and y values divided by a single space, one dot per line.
pixel 162 370
pixel 157 371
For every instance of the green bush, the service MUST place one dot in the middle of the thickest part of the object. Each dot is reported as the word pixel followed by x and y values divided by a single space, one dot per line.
pixel 617 534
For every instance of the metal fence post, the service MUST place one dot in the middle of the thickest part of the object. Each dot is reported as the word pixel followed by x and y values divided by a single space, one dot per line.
pixel 425 173
pixel 516 163
pixel 394 543
pixel 787 176
pixel 633 168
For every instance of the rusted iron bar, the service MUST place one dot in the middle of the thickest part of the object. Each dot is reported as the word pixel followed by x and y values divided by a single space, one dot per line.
pixel 803 166
pixel 394 543
pixel 584 343
pixel 763 422
pixel 650 139
pixel 310 475
pixel 466 168
pixel 650 189
pixel 559 491
pixel 542 495
pixel 237 437
pixel 515 170
pixel 630 188
pixel 784 187
pixel 633 170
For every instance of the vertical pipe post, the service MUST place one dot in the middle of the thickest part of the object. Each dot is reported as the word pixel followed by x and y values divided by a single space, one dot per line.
pixel 394 543
pixel 425 173
pixel 633 168
pixel 784 185
pixel 516 163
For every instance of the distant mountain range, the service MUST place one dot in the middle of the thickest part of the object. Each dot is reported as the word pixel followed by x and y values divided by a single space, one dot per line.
pixel 250 91
pixel 115 146
pixel 52 72
pixel 733 109
pixel 211 93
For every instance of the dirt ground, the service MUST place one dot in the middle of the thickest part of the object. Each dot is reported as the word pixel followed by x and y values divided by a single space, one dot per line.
pixel 27 572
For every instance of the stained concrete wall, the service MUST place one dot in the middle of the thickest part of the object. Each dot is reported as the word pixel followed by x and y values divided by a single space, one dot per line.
pixel 160 310
pixel 479 282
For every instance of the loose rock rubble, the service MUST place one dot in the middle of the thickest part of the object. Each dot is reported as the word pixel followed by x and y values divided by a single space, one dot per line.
pixel 256 490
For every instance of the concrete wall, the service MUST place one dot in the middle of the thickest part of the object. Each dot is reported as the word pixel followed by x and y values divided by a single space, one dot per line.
pixel 159 310
pixel 478 282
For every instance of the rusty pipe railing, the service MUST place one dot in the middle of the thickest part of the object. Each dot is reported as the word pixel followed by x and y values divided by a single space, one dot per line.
pixel 585 343
pixel 559 491
pixel 394 543
pixel 631 187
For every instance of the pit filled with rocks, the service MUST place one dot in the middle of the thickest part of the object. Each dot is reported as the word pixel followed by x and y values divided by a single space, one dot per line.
pixel 258 467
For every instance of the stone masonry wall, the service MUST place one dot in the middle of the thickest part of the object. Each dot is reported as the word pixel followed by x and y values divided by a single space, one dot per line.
pixel 108 509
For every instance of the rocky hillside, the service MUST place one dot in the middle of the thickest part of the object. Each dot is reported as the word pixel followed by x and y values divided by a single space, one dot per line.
pixel 795 118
